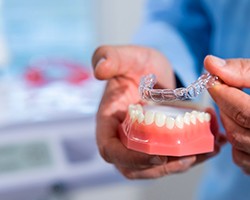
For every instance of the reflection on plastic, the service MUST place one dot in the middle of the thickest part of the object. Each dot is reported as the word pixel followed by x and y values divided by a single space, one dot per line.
pixel 165 95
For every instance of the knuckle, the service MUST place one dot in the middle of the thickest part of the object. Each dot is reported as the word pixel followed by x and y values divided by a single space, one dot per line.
pixel 244 70
pixel 244 65
pixel 164 170
pixel 235 139
pixel 103 150
pixel 240 140
pixel 241 159
pixel 242 118
pixel 236 157
pixel 128 174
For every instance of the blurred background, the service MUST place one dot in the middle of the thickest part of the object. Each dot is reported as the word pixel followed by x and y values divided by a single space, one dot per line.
pixel 49 99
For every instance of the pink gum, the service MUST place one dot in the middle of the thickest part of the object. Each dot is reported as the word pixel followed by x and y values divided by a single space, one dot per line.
pixel 191 139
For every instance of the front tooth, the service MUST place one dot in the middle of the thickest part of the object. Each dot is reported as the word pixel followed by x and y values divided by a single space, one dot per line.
pixel 186 118
pixel 179 121
pixel 160 119
pixel 193 119
pixel 201 117
pixel 149 117
pixel 207 117
pixel 170 122
pixel 140 117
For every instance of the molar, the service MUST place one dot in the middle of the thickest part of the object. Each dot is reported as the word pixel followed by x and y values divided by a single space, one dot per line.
pixel 201 116
pixel 207 117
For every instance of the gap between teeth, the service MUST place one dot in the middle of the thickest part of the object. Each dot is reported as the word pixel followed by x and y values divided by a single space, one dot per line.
pixel 161 120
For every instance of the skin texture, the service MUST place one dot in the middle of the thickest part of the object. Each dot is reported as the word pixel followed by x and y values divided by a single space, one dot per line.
pixel 234 104
pixel 122 67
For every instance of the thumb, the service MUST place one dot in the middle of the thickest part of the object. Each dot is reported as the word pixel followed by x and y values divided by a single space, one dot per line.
pixel 234 72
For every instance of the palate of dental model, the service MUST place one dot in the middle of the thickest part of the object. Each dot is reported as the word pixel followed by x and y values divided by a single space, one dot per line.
pixel 163 130
pixel 148 93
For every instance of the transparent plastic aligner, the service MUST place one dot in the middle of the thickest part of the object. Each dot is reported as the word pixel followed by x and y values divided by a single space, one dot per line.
pixel 147 92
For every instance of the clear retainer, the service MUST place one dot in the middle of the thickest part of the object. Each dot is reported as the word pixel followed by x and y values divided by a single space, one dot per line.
pixel 148 93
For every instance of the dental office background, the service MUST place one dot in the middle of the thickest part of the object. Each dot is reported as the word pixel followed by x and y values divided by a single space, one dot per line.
pixel 47 110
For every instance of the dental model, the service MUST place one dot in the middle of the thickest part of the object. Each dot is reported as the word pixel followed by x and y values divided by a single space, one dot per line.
pixel 147 92
pixel 164 130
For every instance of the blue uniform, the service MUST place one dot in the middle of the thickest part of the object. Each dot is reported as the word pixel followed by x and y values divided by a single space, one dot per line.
pixel 186 31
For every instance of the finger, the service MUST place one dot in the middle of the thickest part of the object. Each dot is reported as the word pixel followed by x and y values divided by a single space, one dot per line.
pixel 214 126
pixel 234 72
pixel 239 137
pixel 111 61
pixel 247 171
pixel 220 139
pixel 241 158
pixel 203 157
pixel 233 102
pixel 176 165
pixel 113 151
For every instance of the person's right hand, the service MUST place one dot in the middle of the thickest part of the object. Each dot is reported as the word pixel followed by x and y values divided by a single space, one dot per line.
pixel 123 67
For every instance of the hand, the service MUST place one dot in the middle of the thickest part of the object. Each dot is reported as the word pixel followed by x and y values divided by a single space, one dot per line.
pixel 123 67
pixel 234 104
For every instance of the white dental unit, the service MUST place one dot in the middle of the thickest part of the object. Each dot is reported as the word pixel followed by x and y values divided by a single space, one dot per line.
pixel 43 156
pixel 47 134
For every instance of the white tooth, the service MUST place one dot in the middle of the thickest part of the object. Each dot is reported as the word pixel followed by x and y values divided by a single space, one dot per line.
pixel 186 118
pixel 195 113
pixel 179 121
pixel 139 107
pixel 193 119
pixel 170 122
pixel 149 117
pixel 140 117
pixel 160 119
pixel 201 117
pixel 207 117
pixel 133 115
pixel 131 108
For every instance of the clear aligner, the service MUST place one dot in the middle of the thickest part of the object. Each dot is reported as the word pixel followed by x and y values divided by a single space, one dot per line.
pixel 147 92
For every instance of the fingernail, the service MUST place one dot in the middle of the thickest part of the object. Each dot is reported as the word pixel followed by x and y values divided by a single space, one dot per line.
pixel 100 61
pixel 187 161
pixel 218 61
pixel 157 160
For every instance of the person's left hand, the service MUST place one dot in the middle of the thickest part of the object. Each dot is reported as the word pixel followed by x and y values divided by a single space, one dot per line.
pixel 234 104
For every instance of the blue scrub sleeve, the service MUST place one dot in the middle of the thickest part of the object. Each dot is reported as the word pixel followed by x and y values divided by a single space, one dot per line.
pixel 181 30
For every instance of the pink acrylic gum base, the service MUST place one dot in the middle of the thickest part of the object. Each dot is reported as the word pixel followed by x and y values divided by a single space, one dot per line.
pixel 151 139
